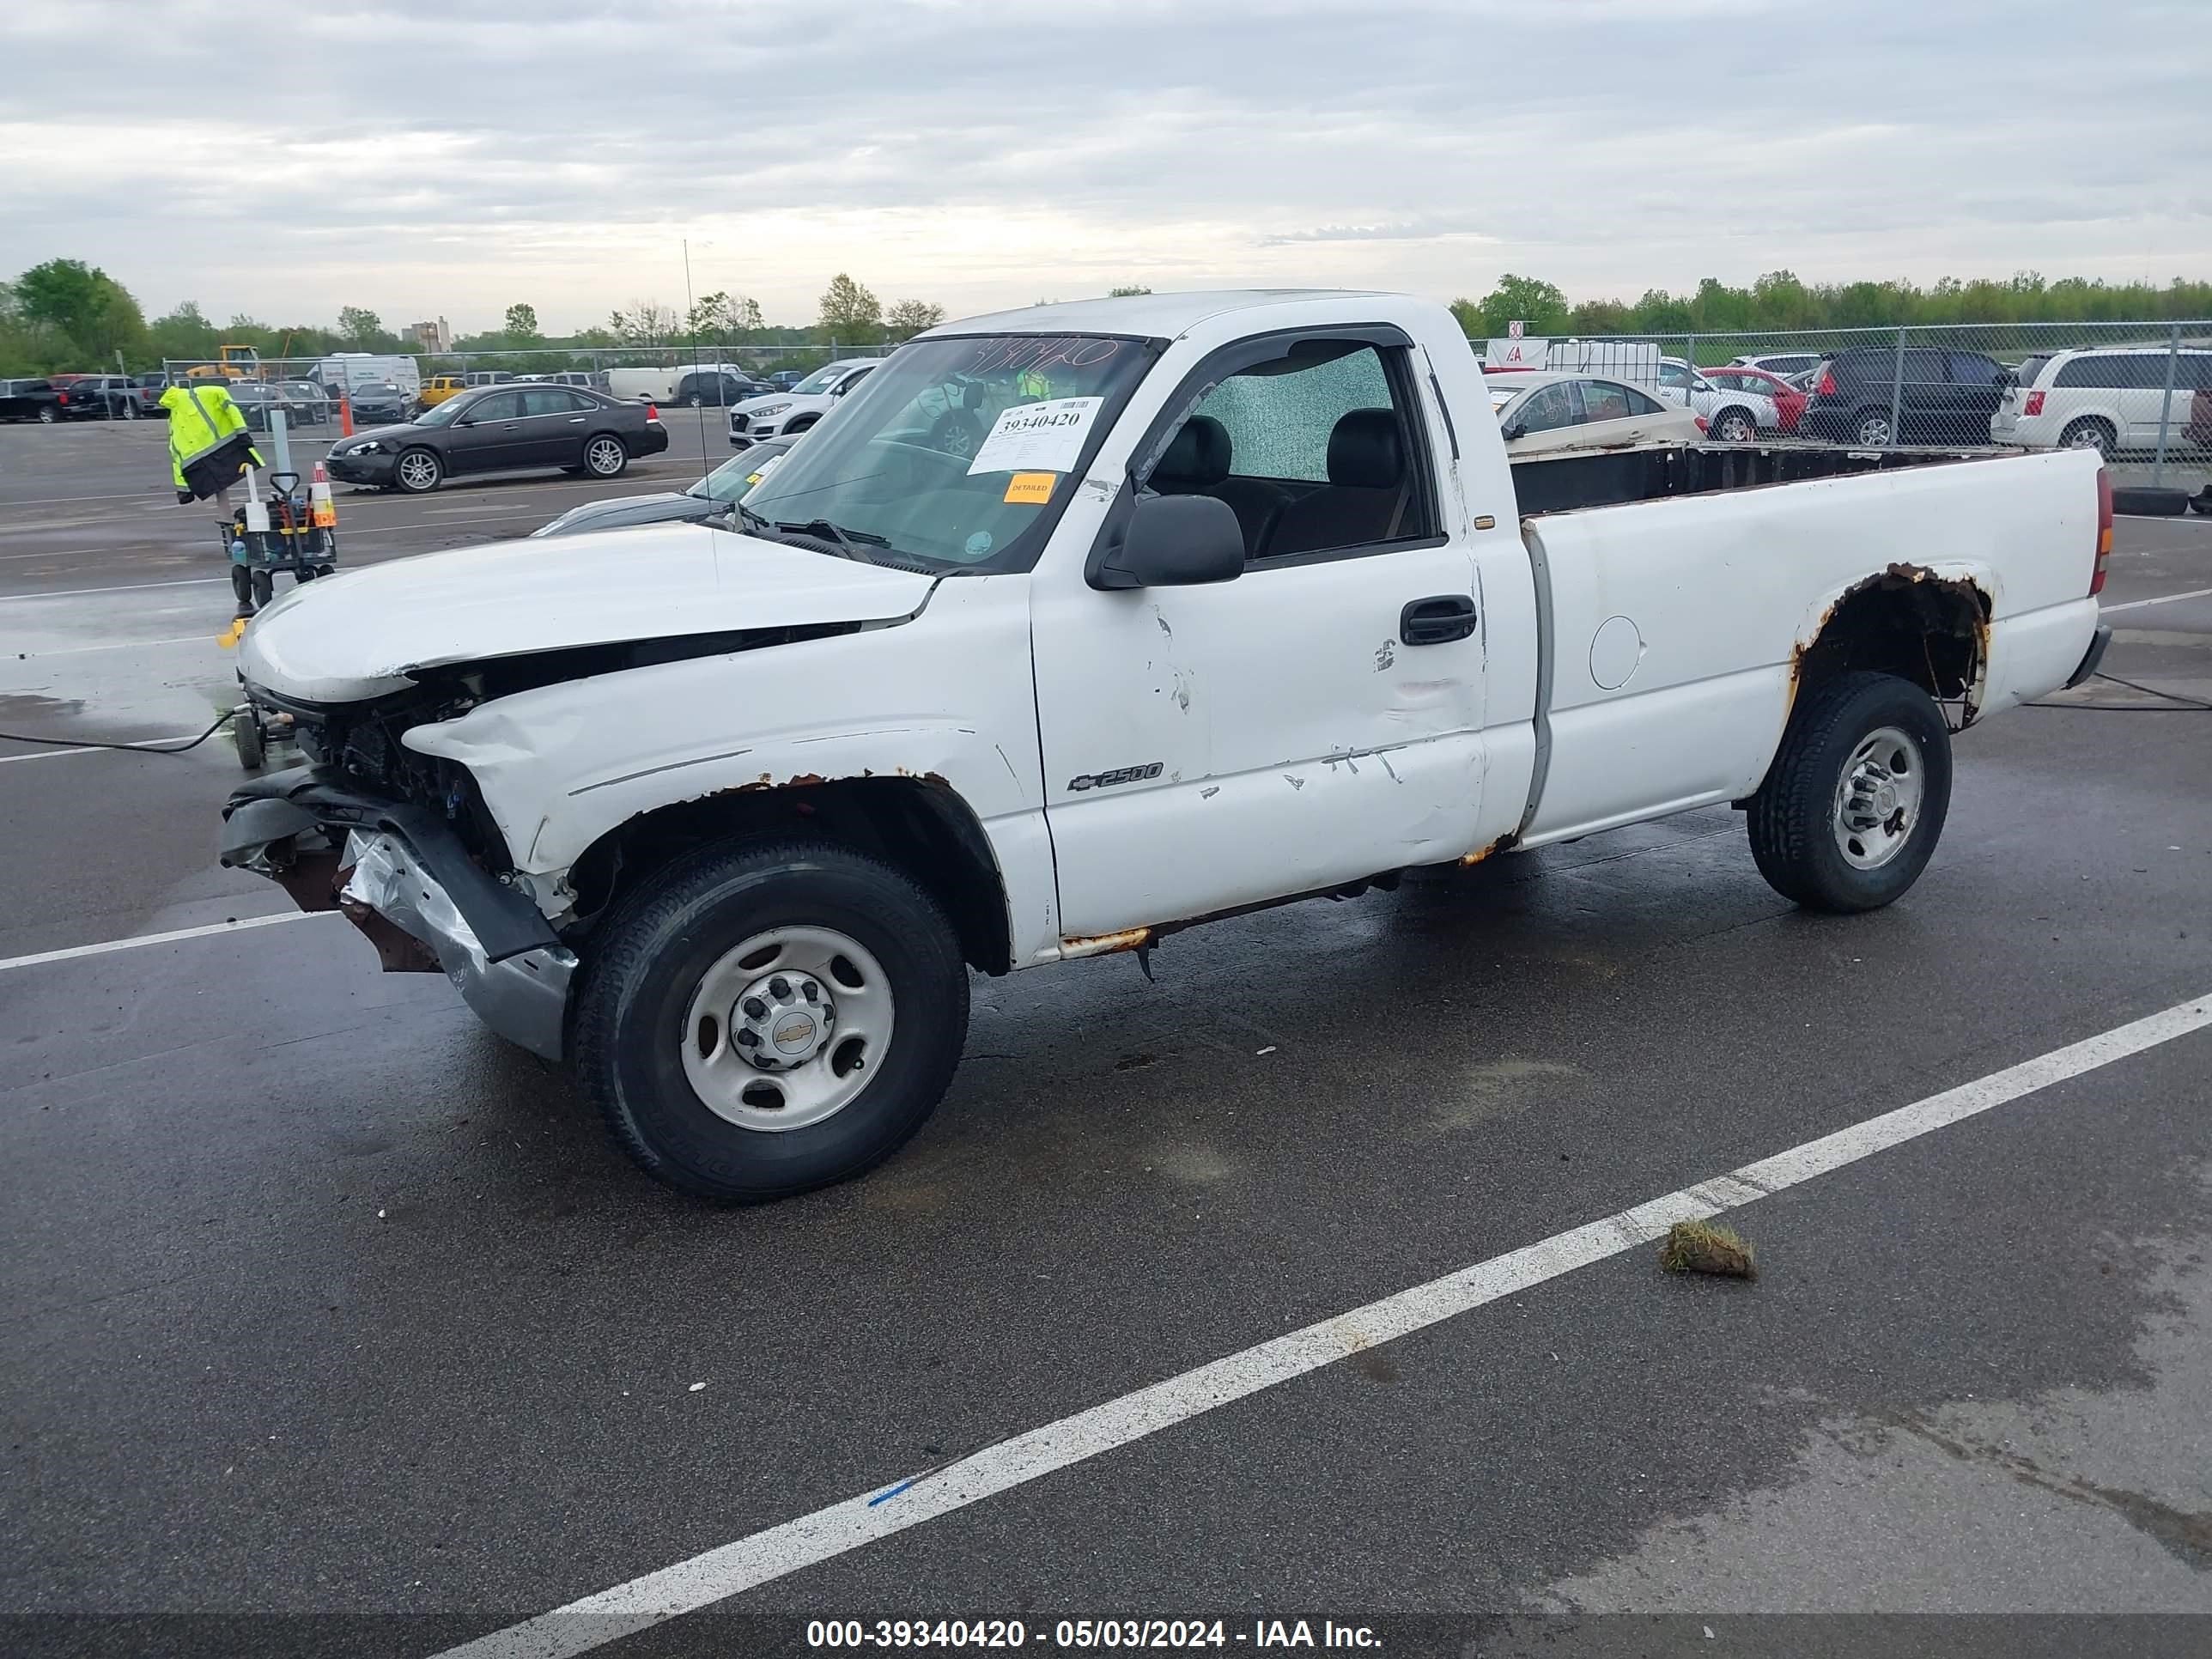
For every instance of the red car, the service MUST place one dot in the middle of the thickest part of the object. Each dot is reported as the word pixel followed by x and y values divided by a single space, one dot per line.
pixel 1788 401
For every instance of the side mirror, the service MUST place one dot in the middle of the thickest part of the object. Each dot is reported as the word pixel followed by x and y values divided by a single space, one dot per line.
pixel 1169 541
pixel 1517 430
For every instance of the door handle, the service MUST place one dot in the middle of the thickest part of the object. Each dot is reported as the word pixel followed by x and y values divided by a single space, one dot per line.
pixel 1438 621
pixel 512 426
pixel 575 420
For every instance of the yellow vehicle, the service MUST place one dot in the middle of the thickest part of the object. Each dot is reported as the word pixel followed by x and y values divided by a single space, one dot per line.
pixel 439 387
pixel 233 363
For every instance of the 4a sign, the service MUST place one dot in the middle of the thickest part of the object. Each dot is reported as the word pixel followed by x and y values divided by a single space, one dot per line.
pixel 1517 351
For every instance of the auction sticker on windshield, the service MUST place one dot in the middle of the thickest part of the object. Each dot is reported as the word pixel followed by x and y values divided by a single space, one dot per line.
pixel 1042 437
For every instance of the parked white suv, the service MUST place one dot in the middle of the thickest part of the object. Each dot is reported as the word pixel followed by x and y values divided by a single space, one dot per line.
pixel 2109 398
pixel 782 414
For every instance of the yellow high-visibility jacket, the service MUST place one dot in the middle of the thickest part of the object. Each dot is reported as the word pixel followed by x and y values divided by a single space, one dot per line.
pixel 208 443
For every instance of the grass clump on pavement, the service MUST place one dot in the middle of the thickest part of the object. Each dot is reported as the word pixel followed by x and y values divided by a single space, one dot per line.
pixel 1702 1247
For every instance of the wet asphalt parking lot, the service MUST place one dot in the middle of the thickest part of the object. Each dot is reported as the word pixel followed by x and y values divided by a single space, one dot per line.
pixel 335 1325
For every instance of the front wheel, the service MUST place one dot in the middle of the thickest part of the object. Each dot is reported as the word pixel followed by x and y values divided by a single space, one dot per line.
pixel 130 412
pixel 760 1020
pixel 418 472
pixel 1854 803
pixel 604 457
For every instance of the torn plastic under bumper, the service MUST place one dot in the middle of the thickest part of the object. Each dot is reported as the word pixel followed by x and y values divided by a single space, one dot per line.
pixel 2092 657
pixel 401 876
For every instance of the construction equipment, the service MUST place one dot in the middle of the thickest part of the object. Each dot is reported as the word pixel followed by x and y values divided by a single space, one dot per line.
pixel 233 362
pixel 290 531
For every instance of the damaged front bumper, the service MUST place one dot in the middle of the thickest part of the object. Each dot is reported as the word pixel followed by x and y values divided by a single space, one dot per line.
pixel 401 874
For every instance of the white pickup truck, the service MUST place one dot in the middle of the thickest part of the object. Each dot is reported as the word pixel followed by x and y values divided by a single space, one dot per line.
pixel 1233 602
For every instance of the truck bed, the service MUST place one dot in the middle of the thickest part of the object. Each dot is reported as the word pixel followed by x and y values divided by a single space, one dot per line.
pixel 1613 477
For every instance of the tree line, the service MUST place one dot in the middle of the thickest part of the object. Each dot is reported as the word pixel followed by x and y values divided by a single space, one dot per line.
pixel 1780 302
pixel 67 314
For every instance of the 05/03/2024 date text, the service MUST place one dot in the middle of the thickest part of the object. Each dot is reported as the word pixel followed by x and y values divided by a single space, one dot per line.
pixel 1086 1634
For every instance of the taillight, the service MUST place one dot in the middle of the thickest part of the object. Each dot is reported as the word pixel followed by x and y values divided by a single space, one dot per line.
pixel 1828 386
pixel 2034 405
pixel 653 411
pixel 1704 425
pixel 2104 530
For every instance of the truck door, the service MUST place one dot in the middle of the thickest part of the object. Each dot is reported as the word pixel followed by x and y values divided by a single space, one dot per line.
pixel 1315 720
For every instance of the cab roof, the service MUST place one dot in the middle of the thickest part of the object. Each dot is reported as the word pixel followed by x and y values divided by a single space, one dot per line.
pixel 1152 316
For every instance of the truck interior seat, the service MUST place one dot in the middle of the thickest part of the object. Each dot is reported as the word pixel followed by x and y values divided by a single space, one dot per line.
pixel 1197 462
pixel 1366 498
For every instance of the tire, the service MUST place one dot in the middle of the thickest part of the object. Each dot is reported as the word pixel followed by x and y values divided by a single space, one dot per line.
pixel 49 416
pixel 264 588
pixel 1734 426
pixel 131 411
pixel 2202 503
pixel 2090 433
pixel 2142 502
pixel 417 472
pixel 606 456
pixel 1869 428
pixel 248 733
pixel 956 432
pixel 1818 843
pixel 804 423
pixel 638 1026
pixel 695 401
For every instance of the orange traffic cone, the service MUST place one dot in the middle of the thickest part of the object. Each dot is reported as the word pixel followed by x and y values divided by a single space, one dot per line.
pixel 324 510
pixel 345 416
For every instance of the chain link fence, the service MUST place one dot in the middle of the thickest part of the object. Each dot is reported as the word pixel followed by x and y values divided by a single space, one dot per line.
pixel 657 372
pixel 2141 393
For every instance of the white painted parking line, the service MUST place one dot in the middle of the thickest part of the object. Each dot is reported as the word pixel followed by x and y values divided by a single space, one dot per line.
pixel 56 754
pixel 734 1568
pixel 120 587
pixel 2167 599
pixel 107 946
pixel 116 645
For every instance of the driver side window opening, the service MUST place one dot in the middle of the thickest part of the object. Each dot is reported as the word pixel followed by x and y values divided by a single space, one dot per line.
pixel 1312 447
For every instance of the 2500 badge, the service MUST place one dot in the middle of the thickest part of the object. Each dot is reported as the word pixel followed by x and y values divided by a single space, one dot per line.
pixel 1107 780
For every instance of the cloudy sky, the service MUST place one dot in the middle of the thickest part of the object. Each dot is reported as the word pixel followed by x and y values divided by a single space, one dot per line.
pixel 451 157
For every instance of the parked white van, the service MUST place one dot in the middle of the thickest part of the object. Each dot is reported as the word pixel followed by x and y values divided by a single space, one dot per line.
pixel 2109 398
pixel 656 385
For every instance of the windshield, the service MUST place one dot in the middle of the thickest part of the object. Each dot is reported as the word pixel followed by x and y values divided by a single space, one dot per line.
pixel 820 380
pixel 956 449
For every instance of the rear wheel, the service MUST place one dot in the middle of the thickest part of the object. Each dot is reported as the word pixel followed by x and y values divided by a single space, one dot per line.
pixel 759 1020
pixel 604 457
pixel 1734 426
pixel 2090 433
pixel 418 472
pixel 48 414
pixel 1854 803
pixel 131 411
pixel 1871 429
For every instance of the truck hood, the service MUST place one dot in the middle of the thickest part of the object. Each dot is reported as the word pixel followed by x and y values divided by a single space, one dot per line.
pixel 361 635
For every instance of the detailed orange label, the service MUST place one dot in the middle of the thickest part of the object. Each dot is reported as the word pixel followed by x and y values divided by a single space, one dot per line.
pixel 1033 488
